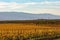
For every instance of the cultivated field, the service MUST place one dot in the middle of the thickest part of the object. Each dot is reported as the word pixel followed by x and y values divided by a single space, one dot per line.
pixel 30 30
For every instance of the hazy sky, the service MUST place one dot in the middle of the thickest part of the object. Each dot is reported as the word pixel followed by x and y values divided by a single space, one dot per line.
pixel 31 6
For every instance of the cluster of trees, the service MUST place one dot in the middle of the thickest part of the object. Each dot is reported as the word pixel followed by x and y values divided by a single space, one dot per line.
pixel 39 21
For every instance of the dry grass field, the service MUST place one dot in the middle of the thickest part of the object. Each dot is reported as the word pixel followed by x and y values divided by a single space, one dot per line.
pixel 29 30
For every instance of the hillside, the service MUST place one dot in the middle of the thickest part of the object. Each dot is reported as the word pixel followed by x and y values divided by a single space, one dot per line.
pixel 26 16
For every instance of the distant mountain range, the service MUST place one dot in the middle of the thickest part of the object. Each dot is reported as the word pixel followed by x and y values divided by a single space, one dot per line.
pixel 25 16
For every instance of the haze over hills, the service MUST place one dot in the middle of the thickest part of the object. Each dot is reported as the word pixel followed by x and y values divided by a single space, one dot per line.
pixel 25 16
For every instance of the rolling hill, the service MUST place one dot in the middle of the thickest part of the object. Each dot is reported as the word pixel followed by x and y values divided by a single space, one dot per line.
pixel 25 16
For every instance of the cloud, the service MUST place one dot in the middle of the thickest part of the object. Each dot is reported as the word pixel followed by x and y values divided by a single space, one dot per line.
pixel 31 7
pixel 11 5
pixel 42 11
pixel 44 2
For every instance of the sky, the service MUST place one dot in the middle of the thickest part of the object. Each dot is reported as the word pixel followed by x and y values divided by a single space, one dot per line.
pixel 31 6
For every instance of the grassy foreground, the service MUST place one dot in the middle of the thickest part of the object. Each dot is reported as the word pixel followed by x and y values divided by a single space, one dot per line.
pixel 30 30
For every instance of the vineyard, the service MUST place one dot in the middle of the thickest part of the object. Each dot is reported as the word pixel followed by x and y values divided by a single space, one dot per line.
pixel 30 30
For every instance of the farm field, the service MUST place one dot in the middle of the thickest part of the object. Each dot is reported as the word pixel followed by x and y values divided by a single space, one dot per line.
pixel 30 30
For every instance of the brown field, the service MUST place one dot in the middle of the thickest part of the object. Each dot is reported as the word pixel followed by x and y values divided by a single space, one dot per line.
pixel 13 29
pixel 27 28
